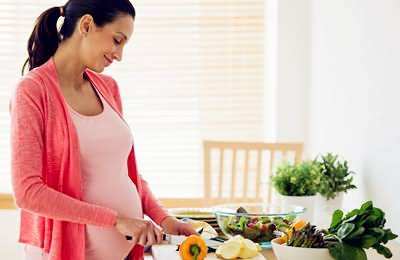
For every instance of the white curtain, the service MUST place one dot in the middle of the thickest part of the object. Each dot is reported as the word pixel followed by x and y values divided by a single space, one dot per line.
pixel 193 70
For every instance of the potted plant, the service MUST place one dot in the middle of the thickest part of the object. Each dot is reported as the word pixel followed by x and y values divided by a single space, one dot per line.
pixel 335 180
pixel 347 237
pixel 298 185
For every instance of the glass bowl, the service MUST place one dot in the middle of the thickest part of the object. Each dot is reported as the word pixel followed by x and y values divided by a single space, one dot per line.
pixel 256 221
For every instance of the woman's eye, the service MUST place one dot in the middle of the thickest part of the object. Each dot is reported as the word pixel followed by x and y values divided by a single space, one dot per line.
pixel 117 42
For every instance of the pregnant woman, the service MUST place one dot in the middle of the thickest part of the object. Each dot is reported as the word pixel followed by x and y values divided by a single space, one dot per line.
pixel 73 163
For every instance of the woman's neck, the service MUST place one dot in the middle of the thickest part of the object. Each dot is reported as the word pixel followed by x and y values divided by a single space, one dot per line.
pixel 70 68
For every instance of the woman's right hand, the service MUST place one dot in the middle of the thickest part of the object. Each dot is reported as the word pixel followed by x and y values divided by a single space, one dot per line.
pixel 143 232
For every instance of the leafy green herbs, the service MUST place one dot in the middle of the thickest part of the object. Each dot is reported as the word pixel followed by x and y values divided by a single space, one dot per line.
pixel 297 180
pixel 335 176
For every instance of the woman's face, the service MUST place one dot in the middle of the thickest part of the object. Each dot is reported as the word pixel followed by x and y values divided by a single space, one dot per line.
pixel 102 45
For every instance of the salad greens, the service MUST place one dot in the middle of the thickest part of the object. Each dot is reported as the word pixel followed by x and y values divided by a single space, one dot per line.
pixel 257 229
pixel 307 236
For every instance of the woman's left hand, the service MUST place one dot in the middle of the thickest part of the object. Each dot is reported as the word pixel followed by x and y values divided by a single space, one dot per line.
pixel 173 226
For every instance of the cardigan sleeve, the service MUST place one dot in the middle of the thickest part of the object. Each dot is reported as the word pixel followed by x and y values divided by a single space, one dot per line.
pixel 150 204
pixel 27 145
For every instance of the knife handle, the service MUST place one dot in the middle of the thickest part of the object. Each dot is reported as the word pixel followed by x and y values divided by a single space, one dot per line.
pixel 164 237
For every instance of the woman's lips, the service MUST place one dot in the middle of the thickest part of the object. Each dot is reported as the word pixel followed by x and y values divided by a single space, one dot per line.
pixel 108 61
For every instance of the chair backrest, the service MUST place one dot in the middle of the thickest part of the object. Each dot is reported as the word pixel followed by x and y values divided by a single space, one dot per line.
pixel 6 201
pixel 241 171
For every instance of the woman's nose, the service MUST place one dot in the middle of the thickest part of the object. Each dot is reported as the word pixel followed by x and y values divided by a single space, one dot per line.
pixel 118 55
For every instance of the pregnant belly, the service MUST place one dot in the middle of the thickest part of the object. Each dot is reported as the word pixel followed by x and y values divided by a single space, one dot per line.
pixel 121 195
pixel 106 244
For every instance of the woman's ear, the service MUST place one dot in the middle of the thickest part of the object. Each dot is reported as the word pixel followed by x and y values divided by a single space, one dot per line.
pixel 86 24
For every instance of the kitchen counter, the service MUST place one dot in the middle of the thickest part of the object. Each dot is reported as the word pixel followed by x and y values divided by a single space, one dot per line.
pixel 168 251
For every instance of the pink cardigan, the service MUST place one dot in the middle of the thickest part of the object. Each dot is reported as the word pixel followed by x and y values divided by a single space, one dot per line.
pixel 46 174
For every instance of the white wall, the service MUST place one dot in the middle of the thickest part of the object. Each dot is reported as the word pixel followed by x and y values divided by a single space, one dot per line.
pixel 333 70
pixel 354 95
pixel 287 69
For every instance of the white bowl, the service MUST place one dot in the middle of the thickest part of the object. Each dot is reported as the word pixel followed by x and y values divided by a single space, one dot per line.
pixel 284 252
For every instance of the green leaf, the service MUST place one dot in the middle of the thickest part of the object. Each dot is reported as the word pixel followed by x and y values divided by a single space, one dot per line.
pixel 336 218
pixel 388 236
pixel 345 230
pixel 297 179
pixel 356 233
pixel 242 222
pixel 343 251
pixel 379 233
pixel 352 214
pixel 366 206
pixel 353 253
pixel 290 218
pixel 352 219
pixel 383 250
pixel 368 241
pixel 375 218
pixel 336 251
pixel 335 176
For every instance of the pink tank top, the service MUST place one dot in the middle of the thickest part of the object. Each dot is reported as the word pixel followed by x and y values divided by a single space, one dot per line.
pixel 105 142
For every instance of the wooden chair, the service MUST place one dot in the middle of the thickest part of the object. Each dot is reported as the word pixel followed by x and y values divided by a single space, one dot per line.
pixel 239 172
pixel 6 201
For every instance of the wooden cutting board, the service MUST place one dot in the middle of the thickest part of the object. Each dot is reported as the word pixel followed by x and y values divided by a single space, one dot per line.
pixel 163 252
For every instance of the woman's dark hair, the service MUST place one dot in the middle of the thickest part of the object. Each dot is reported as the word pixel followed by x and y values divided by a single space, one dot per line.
pixel 45 37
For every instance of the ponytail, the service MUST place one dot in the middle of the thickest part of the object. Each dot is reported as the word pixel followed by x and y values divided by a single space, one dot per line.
pixel 44 39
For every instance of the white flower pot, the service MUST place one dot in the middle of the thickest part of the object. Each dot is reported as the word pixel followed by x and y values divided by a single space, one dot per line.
pixel 324 209
pixel 308 202
pixel 284 252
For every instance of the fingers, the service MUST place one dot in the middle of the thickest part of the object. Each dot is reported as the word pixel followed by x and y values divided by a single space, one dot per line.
pixel 140 231
pixel 142 239
pixel 187 229
pixel 158 234
pixel 154 235
pixel 150 237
